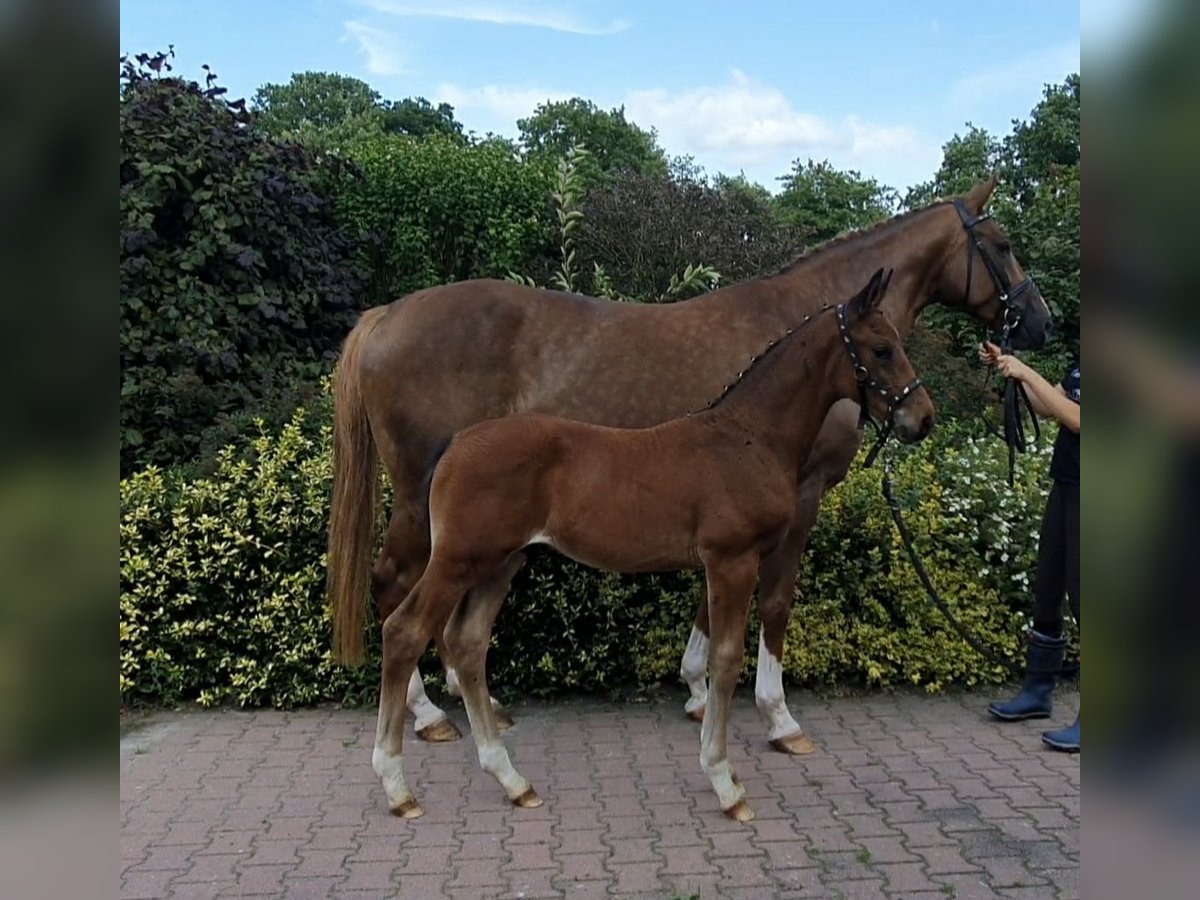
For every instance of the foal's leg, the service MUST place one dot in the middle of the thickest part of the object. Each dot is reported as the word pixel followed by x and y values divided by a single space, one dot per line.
pixel 693 668
pixel 406 634
pixel 730 587
pixel 467 636
pixel 776 593
pixel 830 460
pixel 404 557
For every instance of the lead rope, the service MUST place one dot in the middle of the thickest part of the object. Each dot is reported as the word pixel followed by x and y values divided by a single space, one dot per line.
pixel 1016 403
pixel 935 598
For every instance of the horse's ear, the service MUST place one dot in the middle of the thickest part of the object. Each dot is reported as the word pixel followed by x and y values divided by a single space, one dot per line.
pixel 979 195
pixel 868 298
pixel 883 288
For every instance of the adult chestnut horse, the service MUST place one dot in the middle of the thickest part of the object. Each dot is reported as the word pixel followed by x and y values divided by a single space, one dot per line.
pixel 416 372
pixel 712 489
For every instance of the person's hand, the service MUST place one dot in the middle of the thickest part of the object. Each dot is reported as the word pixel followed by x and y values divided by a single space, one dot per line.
pixel 1008 366
pixel 989 353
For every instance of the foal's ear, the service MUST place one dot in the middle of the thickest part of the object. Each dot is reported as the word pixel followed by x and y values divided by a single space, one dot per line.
pixel 883 288
pixel 978 197
pixel 868 298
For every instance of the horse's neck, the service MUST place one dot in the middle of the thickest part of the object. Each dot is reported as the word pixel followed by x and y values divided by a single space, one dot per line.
pixel 915 247
pixel 782 401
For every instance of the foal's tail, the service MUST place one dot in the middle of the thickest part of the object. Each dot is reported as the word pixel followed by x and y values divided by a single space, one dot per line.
pixel 352 512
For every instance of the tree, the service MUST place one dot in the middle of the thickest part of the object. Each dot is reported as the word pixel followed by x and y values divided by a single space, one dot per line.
pixel 1048 143
pixel 323 109
pixel 823 201
pixel 317 100
pixel 237 285
pixel 417 117
pixel 967 159
pixel 614 143
pixel 645 229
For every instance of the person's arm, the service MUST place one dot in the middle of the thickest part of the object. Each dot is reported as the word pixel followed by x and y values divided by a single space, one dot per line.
pixel 1048 400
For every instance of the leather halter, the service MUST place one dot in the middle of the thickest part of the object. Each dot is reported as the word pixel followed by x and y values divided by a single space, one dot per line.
pixel 868 384
pixel 1008 293
pixel 1015 396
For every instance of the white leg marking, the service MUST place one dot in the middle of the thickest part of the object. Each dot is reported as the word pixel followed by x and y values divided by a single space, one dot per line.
pixel 423 709
pixel 452 685
pixel 768 694
pixel 390 769
pixel 715 764
pixel 692 670
pixel 493 758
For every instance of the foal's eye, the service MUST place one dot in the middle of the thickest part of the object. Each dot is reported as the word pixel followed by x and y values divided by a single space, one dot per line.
pixel 884 353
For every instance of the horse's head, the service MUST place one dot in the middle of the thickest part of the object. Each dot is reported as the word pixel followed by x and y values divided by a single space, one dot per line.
pixel 889 390
pixel 981 274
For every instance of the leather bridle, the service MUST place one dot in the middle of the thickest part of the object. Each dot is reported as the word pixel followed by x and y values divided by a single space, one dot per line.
pixel 867 384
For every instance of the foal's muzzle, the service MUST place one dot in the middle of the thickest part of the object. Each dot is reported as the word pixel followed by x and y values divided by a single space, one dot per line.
pixel 911 426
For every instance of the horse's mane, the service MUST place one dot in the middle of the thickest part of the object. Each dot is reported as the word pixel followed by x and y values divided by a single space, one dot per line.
pixel 831 243
pixel 756 360
pixel 854 233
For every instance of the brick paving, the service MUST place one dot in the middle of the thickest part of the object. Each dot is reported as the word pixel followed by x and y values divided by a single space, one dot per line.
pixel 908 796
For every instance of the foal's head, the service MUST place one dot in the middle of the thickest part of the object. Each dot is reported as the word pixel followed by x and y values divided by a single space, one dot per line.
pixel 879 366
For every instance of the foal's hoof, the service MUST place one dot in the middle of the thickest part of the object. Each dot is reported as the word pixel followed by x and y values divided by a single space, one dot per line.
pixel 797 744
pixel 696 715
pixel 503 719
pixel 740 812
pixel 409 809
pixel 528 800
pixel 440 732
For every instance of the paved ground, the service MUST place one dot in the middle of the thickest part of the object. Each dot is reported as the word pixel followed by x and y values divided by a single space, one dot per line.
pixel 908 796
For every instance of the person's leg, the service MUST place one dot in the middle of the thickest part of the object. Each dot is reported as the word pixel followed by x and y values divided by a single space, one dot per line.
pixel 1045 653
pixel 1068 738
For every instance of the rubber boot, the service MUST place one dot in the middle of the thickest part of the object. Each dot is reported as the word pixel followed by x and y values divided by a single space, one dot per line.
pixel 1041 675
pixel 1065 739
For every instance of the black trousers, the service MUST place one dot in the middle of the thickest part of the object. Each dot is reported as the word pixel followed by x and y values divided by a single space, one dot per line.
pixel 1058 560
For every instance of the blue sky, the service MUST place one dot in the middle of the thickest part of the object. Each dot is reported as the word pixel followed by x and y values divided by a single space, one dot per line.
pixel 872 85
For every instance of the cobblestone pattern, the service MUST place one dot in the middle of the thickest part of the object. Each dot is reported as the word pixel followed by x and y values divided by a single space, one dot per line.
pixel 908 796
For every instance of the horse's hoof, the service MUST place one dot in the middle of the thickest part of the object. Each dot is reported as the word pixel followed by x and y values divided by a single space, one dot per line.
pixel 528 800
pixel 696 715
pixel 440 732
pixel 409 809
pixel 797 744
pixel 740 812
pixel 503 720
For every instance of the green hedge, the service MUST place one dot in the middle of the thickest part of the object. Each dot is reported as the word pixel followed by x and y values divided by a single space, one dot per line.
pixel 237 283
pixel 442 210
pixel 222 585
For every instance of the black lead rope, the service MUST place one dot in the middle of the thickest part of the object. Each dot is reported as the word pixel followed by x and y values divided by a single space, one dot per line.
pixel 935 598
pixel 1016 404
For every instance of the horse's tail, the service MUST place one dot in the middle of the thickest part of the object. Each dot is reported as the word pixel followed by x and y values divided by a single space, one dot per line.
pixel 352 510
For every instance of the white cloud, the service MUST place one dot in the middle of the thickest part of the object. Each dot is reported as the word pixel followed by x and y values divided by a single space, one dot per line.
pixel 749 125
pixel 742 125
pixel 743 121
pixel 555 18
pixel 1017 76
pixel 500 105
pixel 382 49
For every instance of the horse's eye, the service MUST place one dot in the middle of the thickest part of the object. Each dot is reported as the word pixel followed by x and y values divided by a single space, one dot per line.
pixel 884 352
pixel 1004 248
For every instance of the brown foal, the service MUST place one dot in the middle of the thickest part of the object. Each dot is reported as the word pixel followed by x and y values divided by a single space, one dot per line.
pixel 714 489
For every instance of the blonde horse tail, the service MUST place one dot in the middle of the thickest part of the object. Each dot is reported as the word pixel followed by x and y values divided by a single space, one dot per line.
pixel 352 512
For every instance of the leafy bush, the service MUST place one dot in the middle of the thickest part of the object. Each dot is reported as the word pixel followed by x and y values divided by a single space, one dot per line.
pixel 237 284
pixel 644 229
pixel 222 585
pixel 444 210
